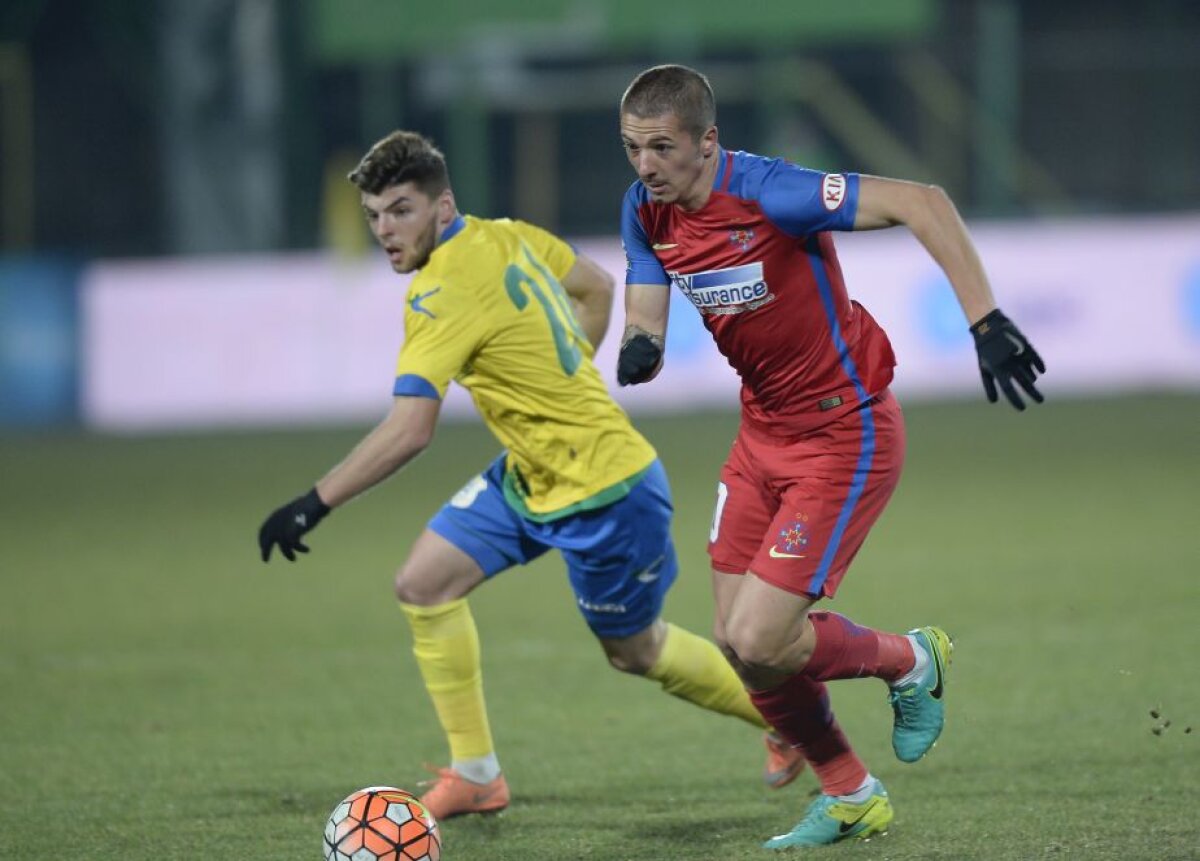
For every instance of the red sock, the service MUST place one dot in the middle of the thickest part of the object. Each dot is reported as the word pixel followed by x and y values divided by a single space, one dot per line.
pixel 845 650
pixel 799 712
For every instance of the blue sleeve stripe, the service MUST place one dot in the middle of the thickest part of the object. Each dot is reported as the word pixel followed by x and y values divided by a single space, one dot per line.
pixel 793 198
pixel 850 207
pixel 411 385
pixel 646 273
pixel 641 266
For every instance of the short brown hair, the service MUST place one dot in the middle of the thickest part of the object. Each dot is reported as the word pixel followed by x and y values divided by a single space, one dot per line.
pixel 673 89
pixel 402 157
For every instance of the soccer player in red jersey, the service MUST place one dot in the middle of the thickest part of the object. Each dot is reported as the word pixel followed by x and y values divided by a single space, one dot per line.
pixel 821 444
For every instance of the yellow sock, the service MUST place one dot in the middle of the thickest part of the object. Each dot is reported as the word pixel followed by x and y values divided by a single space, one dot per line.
pixel 446 645
pixel 693 668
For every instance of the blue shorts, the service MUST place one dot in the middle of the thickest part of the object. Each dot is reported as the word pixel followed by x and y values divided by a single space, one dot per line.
pixel 620 558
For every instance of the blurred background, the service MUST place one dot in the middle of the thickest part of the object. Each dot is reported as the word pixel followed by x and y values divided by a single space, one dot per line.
pixel 194 325
pixel 178 245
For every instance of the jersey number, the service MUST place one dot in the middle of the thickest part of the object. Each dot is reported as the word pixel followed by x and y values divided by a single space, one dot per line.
pixel 555 305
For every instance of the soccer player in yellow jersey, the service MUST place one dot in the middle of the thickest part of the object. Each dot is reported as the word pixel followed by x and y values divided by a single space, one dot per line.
pixel 514 315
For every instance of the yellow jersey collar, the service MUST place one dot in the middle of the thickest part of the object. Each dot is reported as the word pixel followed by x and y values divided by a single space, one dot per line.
pixel 452 229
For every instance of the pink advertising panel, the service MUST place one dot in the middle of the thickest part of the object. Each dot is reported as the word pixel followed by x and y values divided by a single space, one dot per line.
pixel 1112 305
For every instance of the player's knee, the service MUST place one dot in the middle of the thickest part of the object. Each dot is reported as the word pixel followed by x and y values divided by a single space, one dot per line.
pixel 416 587
pixel 634 655
pixel 751 648
pixel 406 589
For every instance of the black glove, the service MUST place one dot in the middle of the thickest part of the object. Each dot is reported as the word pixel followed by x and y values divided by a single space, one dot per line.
pixel 1005 356
pixel 288 523
pixel 638 360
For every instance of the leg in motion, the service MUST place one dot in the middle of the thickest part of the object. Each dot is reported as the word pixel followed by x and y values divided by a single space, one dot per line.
pixel 784 763
pixel 431 588
pixel 766 632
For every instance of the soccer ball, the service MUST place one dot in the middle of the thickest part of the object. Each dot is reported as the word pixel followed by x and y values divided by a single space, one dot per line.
pixel 382 823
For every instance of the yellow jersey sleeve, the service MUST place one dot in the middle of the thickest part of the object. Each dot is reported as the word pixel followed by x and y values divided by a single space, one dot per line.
pixel 558 256
pixel 441 331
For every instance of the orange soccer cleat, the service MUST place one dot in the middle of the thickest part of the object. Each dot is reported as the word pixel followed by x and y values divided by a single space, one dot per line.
pixel 784 762
pixel 451 794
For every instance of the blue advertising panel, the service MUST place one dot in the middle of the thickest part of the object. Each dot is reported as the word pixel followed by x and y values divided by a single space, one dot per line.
pixel 39 316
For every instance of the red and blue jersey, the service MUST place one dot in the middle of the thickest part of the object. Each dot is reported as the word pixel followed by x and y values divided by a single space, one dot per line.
pixel 758 262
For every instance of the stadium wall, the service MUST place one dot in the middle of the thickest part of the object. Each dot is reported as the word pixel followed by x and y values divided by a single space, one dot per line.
pixel 1112 305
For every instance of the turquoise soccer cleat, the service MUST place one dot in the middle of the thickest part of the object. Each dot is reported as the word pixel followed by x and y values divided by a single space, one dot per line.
pixel 920 709
pixel 830 820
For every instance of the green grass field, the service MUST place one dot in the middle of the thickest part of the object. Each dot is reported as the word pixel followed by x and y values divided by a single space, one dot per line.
pixel 164 695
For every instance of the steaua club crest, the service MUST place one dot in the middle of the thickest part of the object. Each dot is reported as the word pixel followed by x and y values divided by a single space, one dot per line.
pixel 742 237
pixel 794 538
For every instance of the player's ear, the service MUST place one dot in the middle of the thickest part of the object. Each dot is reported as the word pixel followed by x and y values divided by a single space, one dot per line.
pixel 446 206
pixel 708 142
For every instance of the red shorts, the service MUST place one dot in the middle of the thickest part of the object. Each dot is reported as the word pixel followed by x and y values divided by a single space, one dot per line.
pixel 796 512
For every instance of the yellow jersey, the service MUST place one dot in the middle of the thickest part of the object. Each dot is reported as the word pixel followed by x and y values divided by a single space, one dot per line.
pixel 488 311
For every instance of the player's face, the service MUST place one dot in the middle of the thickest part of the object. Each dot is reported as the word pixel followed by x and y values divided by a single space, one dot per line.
pixel 670 162
pixel 406 221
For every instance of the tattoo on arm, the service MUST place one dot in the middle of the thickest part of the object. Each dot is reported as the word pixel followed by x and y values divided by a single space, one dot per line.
pixel 632 331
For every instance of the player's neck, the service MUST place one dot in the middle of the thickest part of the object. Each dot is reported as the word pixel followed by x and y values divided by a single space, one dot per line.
pixel 702 189
pixel 447 228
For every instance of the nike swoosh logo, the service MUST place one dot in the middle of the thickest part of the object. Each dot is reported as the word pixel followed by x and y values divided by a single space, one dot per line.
pixel 778 554
pixel 663 246
pixel 651 571
pixel 936 693
pixel 843 827
pixel 1017 342
pixel 415 303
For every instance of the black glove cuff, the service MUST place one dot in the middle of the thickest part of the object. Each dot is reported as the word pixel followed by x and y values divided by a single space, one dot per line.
pixel 312 505
pixel 990 322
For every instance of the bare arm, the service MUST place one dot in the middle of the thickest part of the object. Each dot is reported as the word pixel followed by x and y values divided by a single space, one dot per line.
pixel 646 310
pixel 1007 361
pixel 591 292
pixel 647 307
pixel 934 221
pixel 402 435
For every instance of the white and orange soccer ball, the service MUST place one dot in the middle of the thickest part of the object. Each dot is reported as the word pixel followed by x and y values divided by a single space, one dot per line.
pixel 382 823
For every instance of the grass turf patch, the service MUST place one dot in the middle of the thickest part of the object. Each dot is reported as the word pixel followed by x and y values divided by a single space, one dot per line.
pixel 166 695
